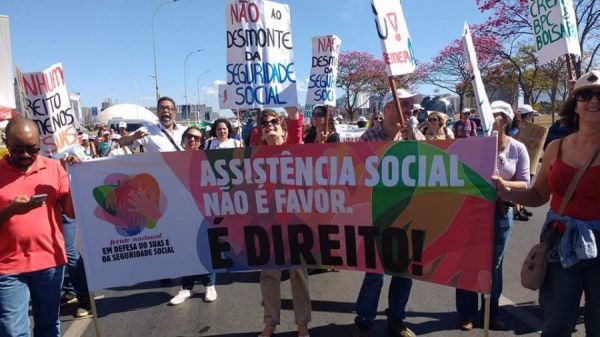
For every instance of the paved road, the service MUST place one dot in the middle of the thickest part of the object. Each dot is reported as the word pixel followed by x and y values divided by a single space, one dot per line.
pixel 142 310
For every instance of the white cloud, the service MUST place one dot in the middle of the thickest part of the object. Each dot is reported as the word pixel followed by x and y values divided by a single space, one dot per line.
pixel 213 89
pixel 302 86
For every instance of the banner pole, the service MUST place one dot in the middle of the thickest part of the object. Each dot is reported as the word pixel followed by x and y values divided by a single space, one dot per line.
pixel 486 315
pixel 95 315
pixel 326 120
pixel 395 95
pixel 569 71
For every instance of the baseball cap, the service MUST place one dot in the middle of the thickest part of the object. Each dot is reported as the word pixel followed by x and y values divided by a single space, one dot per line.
pixel 105 133
pixel 115 137
pixel 417 106
pixel 402 94
pixel 525 109
pixel 85 136
pixel 362 119
pixel 503 108
pixel 591 79
pixel 122 124
pixel 466 110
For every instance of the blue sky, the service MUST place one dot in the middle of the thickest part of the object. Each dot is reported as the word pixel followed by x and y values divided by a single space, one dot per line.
pixel 106 45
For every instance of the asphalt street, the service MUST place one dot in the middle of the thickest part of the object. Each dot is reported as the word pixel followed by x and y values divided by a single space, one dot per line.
pixel 142 310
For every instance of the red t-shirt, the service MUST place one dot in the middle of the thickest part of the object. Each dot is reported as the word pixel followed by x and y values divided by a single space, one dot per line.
pixel 294 133
pixel 33 241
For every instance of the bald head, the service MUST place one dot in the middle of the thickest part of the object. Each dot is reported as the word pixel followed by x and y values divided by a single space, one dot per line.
pixel 22 128
pixel 23 142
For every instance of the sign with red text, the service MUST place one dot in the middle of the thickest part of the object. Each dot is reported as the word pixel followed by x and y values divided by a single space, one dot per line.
pixel 395 40
pixel 260 58
pixel 360 206
pixel 324 69
pixel 484 107
pixel 7 89
pixel 554 27
pixel 47 103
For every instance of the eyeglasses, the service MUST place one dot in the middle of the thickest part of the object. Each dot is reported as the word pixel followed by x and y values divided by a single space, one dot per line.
pixel 189 136
pixel 273 122
pixel 586 96
pixel 166 108
pixel 31 150
pixel 432 119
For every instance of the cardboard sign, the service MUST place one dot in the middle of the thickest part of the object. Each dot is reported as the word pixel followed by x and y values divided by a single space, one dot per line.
pixel 395 40
pixel 554 27
pixel 260 59
pixel 484 107
pixel 47 103
pixel 7 89
pixel 363 207
pixel 324 69
pixel 533 136
pixel 225 97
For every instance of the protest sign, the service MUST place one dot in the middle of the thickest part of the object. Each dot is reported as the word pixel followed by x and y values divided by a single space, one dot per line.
pixel 260 59
pixel 7 90
pixel 554 27
pixel 362 207
pixel 395 40
pixel 225 101
pixel 324 69
pixel 483 103
pixel 47 103
pixel 533 136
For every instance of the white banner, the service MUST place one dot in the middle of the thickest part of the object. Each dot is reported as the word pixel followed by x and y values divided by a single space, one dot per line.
pixel 396 44
pixel 324 69
pixel 483 103
pixel 47 103
pixel 225 98
pixel 7 89
pixel 554 29
pixel 260 58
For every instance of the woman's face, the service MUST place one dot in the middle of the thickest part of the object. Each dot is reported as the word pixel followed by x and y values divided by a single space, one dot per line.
pixel 271 129
pixel 433 120
pixel 588 105
pixel 500 122
pixel 222 131
pixel 378 120
pixel 191 140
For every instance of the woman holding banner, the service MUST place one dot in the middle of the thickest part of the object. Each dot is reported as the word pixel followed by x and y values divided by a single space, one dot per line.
pixel 274 130
pixel 572 270
pixel 191 140
pixel 323 128
pixel 513 166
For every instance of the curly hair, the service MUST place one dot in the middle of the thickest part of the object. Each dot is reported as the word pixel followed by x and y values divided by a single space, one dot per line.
pixel 213 128
pixel 567 114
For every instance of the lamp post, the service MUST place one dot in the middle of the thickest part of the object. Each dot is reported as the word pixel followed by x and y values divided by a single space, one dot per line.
pixel 154 44
pixel 198 84
pixel 185 73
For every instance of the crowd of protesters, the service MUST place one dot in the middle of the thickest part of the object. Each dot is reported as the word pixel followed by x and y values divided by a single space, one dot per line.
pixel 38 225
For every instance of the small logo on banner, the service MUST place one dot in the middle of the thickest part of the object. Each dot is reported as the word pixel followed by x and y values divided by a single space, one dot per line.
pixel 130 203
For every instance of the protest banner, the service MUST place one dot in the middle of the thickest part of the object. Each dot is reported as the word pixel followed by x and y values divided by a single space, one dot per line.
pixel 533 136
pixel 47 103
pixel 484 107
pixel 364 206
pixel 324 69
pixel 554 27
pixel 395 40
pixel 260 59
pixel 7 90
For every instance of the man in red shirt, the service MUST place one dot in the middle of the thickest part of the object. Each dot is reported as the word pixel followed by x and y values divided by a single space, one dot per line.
pixel 34 191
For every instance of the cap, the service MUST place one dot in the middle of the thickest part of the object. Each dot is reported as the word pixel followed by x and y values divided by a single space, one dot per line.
pixel 465 110
pixel 85 136
pixel 105 133
pixel 402 94
pixel 115 137
pixel 525 109
pixel 417 106
pixel 591 79
pixel 503 108
pixel 362 119
pixel 122 124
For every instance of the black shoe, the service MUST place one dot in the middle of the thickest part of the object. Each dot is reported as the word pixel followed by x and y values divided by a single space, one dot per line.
pixel 398 328
pixel 526 212
pixel 519 216
pixel 67 298
pixel 497 325
pixel 358 331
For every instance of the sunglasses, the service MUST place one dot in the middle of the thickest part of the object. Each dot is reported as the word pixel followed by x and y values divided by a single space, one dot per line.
pixel 586 96
pixel 31 150
pixel 432 119
pixel 273 122
pixel 379 118
pixel 193 137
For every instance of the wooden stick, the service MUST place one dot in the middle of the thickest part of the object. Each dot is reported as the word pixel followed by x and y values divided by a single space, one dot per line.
pixel 95 315
pixel 396 101
pixel 569 71
pixel 326 118
pixel 486 315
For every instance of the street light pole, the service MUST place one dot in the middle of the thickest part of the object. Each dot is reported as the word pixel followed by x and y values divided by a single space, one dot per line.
pixel 185 73
pixel 154 45
pixel 198 83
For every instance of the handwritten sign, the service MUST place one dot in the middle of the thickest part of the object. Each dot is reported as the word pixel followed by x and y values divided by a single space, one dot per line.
pixel 260 59
pixel 554 28
pixel 323 74
pixel 395 40
pixel 533 136
pixel 7 90
pixel 47 103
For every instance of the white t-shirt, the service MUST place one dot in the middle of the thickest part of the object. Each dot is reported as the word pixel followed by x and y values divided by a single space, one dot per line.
pixel 119 151
pixel 158 141
pixel 214 144
pixel 413 122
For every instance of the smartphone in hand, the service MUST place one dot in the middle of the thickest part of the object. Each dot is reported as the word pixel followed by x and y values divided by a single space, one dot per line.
pixel 38 198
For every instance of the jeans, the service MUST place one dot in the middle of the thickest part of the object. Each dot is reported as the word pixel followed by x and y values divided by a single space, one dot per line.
pixel 187 282
pixel 560 296
pixel 368 298
pixel 44 288
pixel 77 280
pixel 467 301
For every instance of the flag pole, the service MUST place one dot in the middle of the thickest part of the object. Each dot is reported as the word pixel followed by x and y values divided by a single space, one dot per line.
pixel 94 315
pixel 396 102
pixel 569 70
